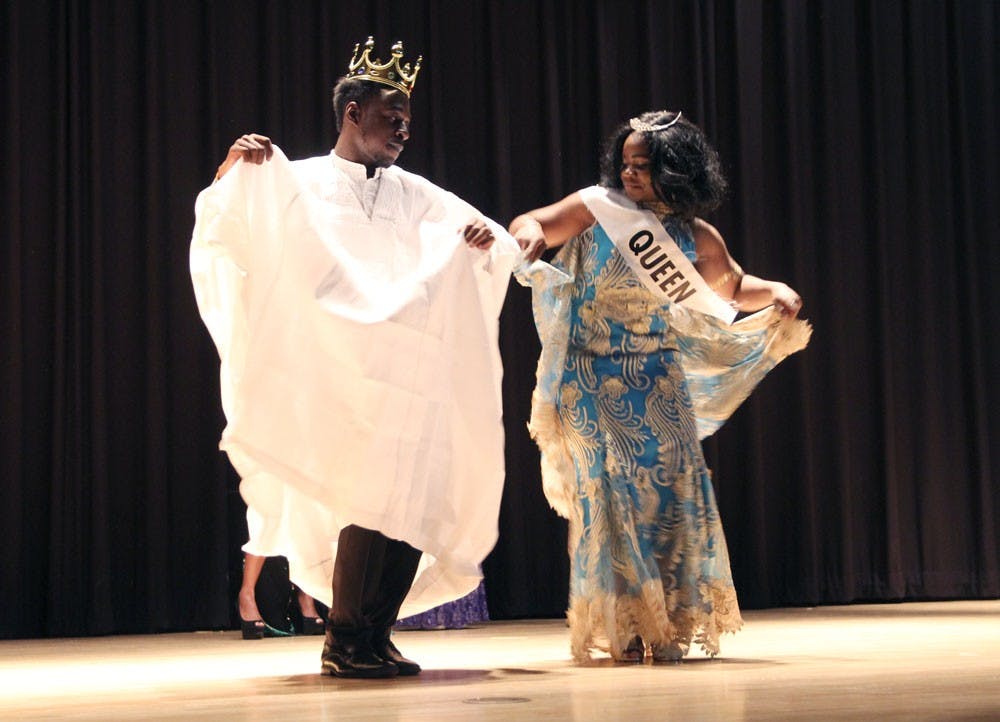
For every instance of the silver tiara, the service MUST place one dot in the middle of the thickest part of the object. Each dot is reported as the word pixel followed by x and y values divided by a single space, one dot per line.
pixel 636 124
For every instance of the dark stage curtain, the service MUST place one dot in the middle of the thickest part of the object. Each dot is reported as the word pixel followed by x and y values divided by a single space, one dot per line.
pixel 861 142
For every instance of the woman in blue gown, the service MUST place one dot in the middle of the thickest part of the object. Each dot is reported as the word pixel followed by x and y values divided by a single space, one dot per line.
pixel 628 384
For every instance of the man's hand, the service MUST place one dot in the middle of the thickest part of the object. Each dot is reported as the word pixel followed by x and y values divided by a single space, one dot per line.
pixel 252 147
pixel 477 234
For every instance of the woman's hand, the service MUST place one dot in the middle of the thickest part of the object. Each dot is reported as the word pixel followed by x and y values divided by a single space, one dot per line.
pixel 756 293
pixel 529 236
pixel 786 300
pixel 550 226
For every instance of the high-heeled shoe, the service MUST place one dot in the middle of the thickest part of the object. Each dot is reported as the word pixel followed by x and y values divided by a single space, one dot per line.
pixel 313 625
pixel 257 628
pixel 254 629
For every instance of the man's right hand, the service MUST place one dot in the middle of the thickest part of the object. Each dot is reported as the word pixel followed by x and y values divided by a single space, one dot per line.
pixel 252 147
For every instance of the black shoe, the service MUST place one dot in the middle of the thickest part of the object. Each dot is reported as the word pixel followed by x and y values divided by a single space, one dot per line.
pixel 313 625
pixel 253 629
pixel 635 652
pixel 258 629
pixel 352 656
pixel 385 649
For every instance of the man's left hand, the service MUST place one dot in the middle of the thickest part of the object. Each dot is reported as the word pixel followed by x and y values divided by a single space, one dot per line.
pixel 477 234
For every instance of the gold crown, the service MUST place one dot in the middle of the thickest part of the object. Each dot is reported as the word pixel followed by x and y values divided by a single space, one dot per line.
pixel 392 73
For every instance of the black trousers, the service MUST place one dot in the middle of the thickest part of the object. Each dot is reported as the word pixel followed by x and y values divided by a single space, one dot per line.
pixel 371 576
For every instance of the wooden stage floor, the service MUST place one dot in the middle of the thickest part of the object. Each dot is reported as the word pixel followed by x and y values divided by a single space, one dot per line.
pixel 915 661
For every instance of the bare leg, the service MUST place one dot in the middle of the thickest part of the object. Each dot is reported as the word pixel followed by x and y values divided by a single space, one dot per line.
pixel 312 622
pixel 252 564
pixel 307 604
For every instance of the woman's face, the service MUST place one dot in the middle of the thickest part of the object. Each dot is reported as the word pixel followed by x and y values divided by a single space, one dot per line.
pixel 635 173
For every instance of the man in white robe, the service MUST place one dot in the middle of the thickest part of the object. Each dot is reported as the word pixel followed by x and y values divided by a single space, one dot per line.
pixel 354 306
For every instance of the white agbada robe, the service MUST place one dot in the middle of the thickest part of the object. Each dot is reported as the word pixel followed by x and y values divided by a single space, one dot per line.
pixel 359 365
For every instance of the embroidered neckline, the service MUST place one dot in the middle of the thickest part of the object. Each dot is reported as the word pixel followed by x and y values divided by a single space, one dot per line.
pixel 658 208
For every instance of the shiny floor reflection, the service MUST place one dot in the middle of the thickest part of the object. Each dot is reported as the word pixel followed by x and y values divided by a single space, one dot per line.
pixel 919 661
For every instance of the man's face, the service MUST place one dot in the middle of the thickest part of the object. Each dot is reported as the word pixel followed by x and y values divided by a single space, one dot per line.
pixel 383 124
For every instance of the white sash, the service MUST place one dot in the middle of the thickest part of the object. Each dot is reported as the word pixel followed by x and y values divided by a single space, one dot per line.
pixel 652 254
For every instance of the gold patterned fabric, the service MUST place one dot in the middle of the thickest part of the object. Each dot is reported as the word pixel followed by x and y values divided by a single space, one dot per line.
pixel 620 437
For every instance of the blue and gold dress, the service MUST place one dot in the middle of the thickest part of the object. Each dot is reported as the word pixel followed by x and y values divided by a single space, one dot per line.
pixel 627 387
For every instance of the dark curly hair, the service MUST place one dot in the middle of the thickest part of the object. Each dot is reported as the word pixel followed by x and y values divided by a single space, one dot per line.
pixel 348 89
pixel 685 168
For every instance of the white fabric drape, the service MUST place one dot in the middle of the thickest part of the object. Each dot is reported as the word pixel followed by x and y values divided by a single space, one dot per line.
pixel 359 366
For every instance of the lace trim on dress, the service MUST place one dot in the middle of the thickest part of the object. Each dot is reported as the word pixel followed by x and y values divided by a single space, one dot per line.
pixel 607 622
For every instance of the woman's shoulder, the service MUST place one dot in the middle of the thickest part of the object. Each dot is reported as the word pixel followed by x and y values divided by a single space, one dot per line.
pixel 701 227
pixel 706 237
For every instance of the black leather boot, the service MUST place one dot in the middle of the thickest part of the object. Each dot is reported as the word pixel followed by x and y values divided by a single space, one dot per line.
pixel 349 653
pixel 385 649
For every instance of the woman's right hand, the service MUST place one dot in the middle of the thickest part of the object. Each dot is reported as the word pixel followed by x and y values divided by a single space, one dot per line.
pixel 529 236
pixel 551 226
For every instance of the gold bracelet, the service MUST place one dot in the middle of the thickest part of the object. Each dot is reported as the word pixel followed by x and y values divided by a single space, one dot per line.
pixel 726 277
